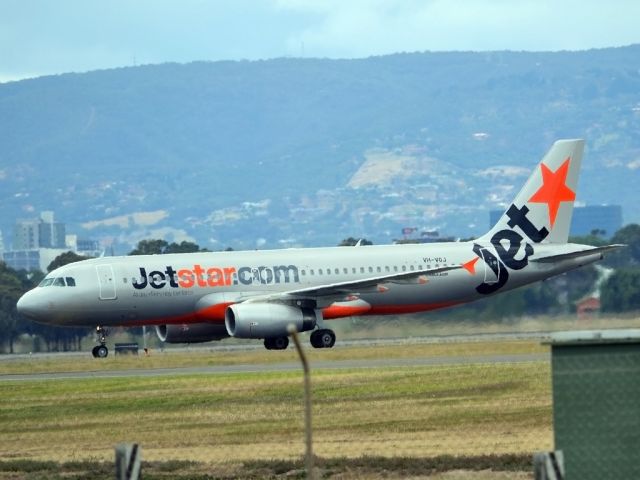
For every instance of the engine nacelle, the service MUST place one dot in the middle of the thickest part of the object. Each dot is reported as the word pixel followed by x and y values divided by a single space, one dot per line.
pixel 191 332
pixel 266 320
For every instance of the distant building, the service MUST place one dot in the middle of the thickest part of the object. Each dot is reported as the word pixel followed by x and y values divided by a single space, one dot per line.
pixel 596 217
pixel 22 259
pixel 25 236
pixel 44 232
pixel 585 220
pixel 36 243
pixel 88 248
pixel 588 307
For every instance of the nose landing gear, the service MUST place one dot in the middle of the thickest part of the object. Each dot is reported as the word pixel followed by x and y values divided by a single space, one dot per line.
pixel 101 351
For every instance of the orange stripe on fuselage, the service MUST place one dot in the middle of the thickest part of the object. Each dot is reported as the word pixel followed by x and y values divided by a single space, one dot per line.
pixel 413 308
pixel 211 314
pixel 215 313
pixel 341 311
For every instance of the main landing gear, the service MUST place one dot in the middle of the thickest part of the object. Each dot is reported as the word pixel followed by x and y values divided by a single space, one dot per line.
pixel 101 351
pixel 276 343
pixel 322 338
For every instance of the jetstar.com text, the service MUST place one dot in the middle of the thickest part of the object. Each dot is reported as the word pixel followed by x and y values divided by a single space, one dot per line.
pixel 199 276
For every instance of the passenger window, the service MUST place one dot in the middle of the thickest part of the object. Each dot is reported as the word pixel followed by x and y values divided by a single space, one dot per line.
pixel 311 272
pixel 303 272
pixel 411 267
pixel 345 270
pixel 319 271
pixel 361 269
pixel 395 268
pixel 71 282
pixel 370 269
pixel 404 268
pixel 59 282
pixel 378 269
pixel 337 271
pixel 353 270
pixel 387 269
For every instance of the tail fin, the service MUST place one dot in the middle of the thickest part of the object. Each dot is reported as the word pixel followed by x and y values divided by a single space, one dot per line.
pixel 544 206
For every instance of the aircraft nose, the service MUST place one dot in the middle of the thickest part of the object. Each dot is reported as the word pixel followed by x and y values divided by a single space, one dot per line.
pixel 32 306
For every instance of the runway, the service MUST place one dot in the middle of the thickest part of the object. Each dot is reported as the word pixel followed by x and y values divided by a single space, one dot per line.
pixel 285 366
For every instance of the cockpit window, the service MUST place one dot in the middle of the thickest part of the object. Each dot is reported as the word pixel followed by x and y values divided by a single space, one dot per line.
pixel 58 282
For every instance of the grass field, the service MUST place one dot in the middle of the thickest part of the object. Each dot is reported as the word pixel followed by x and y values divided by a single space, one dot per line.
pixel 231 420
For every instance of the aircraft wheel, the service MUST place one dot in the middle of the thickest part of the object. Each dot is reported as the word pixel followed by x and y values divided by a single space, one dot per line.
pixel 94 352
pixel 276 343
pixel 102 351
pixel 323 338
pixel 280 343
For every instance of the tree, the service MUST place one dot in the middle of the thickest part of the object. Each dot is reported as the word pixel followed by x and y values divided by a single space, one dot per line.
pixel 350 242
pixel 579 282
pixel 591 239
pixel 183 247
pixel 621 291
pixel 150 247
pixel 159 247
pixel 64 259
pixel 628 235
pixel 11 289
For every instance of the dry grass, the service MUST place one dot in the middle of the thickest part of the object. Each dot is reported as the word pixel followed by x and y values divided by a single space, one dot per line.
pixel 212 356
pixel 387 327
pixel 512 467
pixel 393 412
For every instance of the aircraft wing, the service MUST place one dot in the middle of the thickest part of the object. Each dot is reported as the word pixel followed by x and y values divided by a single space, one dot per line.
pixel 340 289
pixel 578 254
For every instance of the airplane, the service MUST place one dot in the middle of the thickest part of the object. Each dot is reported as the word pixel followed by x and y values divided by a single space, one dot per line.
pixel 200 297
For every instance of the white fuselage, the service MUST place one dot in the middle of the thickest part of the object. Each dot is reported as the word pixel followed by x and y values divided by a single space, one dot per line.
pixel 197 287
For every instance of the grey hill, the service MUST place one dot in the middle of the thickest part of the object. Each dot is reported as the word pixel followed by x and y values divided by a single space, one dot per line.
pixel 298 151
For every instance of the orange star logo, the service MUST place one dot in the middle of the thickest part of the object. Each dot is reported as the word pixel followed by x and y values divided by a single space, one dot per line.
pixel 554 189
pixel 470 266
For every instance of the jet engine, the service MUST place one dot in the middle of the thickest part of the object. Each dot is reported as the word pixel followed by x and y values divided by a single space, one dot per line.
pixel 191 332
pixel 268 320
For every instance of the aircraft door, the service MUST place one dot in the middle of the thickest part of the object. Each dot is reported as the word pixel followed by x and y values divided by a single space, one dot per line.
pixel 491 266
pixel 107 282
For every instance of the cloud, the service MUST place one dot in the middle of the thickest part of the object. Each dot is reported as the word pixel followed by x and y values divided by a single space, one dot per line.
pixel 42 37
pixel 360 28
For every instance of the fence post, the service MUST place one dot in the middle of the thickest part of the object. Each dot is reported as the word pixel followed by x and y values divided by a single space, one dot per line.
pixel 128 461
pixel 548 465
pixel 307 402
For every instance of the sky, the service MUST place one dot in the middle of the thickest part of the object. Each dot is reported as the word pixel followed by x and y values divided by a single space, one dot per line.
pixel 39 37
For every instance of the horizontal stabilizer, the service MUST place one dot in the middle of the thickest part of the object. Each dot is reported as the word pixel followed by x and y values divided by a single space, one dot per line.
pixel 578 254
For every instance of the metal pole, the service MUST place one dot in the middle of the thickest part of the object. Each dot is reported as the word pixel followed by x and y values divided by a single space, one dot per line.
pixel 307 402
